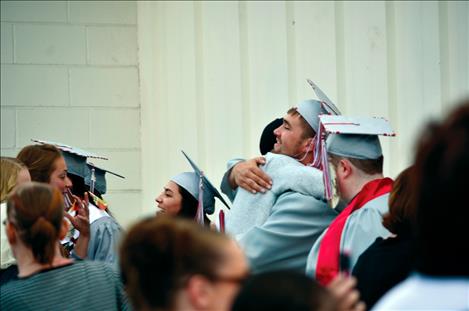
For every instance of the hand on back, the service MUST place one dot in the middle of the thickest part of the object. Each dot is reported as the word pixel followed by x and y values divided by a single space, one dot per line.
pixel 249 176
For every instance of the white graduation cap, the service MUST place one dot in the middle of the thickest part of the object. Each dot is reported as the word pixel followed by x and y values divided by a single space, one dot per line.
pixel 310 110
pixel 327 104
pixel 193 182
pixel 355 137
pixel 352 137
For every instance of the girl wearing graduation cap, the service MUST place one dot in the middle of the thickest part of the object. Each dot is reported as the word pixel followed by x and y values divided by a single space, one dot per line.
pixel 189 195
pixel 46 164
pixel 81 179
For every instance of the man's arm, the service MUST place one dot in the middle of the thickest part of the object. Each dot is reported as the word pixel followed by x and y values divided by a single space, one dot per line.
pixel 285 239
pixel 225 185
pixel 247 175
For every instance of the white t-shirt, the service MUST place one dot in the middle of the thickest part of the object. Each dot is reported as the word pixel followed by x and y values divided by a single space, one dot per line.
pixel 420 292
pixel 7 258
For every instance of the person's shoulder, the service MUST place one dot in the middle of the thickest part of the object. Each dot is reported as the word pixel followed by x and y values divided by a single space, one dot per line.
pixel 289 174
pixel 108 219
pixel 106 222
pixel 377 205
pixel 375 208
pixel 95 269
pixel 91 265
pixel 277 159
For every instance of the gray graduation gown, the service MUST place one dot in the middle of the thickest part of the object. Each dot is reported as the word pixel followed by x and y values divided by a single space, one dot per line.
pixel 276 230
pixel 361 229
pixel 105 235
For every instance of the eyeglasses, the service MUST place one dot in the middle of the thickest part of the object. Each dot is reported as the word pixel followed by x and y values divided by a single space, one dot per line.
pixel 6 221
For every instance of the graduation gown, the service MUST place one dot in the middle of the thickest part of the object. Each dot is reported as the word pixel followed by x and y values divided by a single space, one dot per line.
pixel 105 235
pixel 361 228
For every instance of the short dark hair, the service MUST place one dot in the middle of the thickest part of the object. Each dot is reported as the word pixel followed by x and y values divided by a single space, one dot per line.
pixel 160 253
pixel 308 131
pixel 268 138
pixel 368 166
pixel 283 290
pixel 441 179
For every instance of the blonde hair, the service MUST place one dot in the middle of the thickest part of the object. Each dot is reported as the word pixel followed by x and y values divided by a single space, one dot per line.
pixel 9 171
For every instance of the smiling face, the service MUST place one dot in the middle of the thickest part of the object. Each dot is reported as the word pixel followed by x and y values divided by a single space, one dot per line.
pixel 58 178
pixel 170 200
pixel 290 137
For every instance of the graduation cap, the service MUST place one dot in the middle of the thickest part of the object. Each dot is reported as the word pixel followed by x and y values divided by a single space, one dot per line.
pixel 95 177
pixel 311 109
pixel 355 137
pixel 352 137
pixel 77 164
pixel 327 104
pixel 193 182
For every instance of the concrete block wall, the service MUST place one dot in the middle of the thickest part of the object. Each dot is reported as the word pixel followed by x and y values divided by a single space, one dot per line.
pixel 69 73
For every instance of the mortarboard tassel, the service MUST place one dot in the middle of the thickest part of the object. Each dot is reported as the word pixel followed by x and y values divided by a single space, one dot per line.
pixel 93 180
pixel 326 174
pixel 319 149
pixel 199 217
pixel 221 220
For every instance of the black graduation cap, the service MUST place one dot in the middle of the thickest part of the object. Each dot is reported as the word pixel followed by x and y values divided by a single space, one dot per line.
pixel 77 164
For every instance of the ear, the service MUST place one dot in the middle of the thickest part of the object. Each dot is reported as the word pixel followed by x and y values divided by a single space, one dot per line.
pixel 199 290
pixel 344 168
pixel 11 233
pixel 307 143
pixel 63 229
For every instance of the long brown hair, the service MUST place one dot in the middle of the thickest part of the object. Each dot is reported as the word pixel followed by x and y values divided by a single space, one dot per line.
pixel 401 203
pixel 36 211
pixel 40 160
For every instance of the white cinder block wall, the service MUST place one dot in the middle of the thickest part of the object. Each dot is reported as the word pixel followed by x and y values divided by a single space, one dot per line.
pixel 69 73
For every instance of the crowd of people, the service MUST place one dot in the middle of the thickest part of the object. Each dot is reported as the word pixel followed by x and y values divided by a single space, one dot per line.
pixel 313 225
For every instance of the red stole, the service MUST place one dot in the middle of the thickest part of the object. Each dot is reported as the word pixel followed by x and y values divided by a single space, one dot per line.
pixel 327 265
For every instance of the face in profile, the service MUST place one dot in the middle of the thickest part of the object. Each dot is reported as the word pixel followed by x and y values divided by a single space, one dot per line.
pixel 230 274
pixel 58 177
pixel 289 137
pixel 170 200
